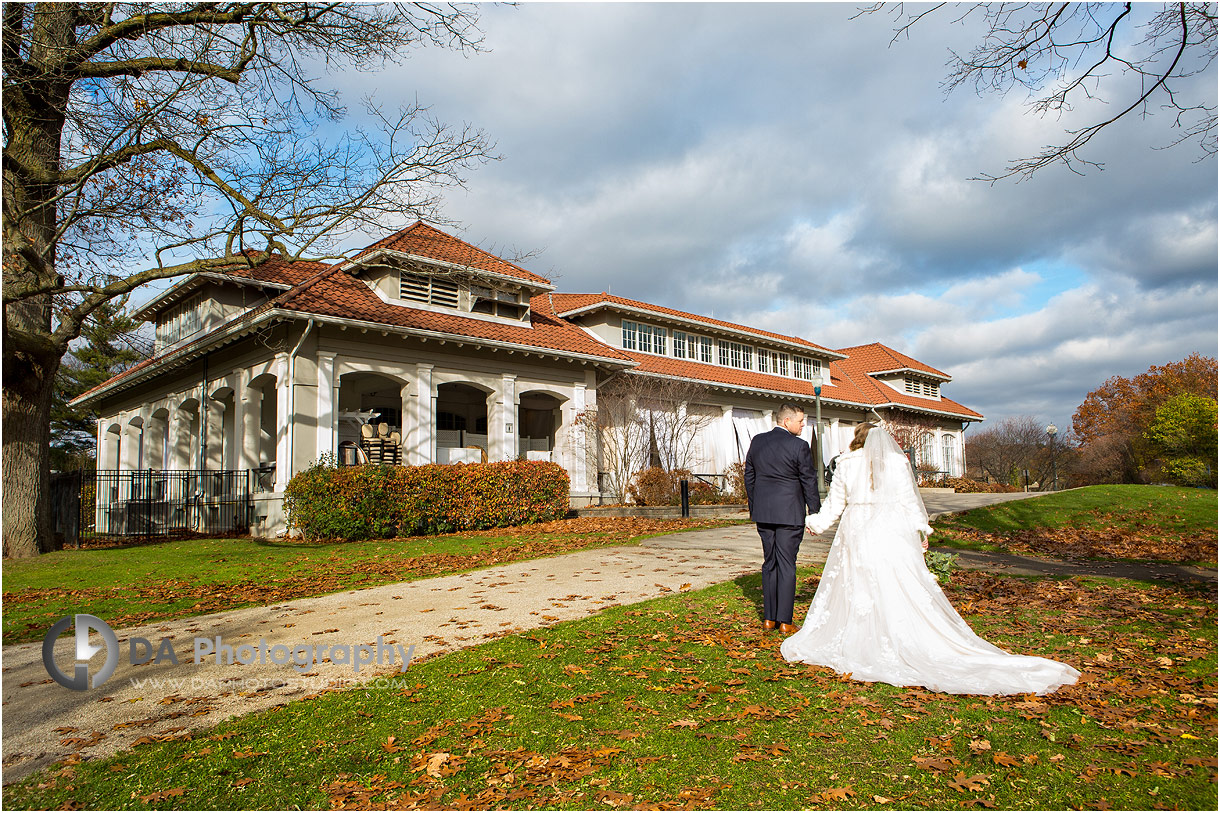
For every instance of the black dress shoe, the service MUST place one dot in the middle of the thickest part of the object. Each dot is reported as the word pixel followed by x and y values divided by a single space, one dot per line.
pixel 768 624
pixel 787 629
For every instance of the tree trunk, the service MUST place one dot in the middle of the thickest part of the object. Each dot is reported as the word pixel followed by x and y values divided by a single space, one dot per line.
pixel 26 457
pixel 34 123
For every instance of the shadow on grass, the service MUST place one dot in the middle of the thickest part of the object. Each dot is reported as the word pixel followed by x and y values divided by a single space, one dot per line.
pixel 751 590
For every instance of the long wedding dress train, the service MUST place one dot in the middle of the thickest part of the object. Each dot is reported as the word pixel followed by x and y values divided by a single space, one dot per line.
pixel 878 613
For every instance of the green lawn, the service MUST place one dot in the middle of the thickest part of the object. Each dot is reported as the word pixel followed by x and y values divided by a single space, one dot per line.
pixel 153 582
pixel 684 702
pixel 1158 523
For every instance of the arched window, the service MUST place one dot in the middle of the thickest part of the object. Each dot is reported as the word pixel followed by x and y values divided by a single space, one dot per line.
pixel 949 446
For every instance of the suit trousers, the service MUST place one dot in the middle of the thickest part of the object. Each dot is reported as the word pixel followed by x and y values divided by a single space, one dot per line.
pixel 780 545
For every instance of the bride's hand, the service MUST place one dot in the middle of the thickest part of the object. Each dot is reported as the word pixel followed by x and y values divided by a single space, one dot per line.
pixel 923 541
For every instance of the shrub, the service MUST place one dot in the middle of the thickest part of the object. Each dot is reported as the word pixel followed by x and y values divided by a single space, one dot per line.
pixel 653 486
pixel 963 485
pixel 376 502
pixel 656 486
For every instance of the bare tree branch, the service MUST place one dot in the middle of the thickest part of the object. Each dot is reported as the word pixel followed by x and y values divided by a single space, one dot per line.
pixel 1061 54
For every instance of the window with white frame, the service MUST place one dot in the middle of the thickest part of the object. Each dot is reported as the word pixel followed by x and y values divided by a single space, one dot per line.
pixel 735 354
pixel 927 450
pixel 804 368
pixel 949 447
pixel 689 346
pixel 764 359
pixel 428 289
pixel 645 338
pixel 681 344
pixel 180 321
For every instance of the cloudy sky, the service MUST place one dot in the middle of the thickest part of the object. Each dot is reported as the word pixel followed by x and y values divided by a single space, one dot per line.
pixel 785 166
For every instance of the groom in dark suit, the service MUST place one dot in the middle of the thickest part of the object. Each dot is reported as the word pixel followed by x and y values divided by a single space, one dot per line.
pixel 781 487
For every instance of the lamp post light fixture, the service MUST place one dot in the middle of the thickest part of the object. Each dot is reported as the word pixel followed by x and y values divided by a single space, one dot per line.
pixel 817 431
pixel 1051 431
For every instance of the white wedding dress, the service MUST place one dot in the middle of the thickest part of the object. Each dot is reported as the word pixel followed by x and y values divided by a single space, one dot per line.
pixel 879 614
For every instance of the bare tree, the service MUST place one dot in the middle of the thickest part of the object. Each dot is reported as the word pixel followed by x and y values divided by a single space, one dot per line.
pixel 642 420
pixel 621 432
pixel 1012 447
pixel 1061 54
pixel 674 420
pixel 914 432
pixel 188 137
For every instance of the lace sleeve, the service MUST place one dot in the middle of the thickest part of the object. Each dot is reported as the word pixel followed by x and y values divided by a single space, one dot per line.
pixel 836 501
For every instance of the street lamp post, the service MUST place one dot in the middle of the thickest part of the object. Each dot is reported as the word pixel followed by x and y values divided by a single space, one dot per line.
pixel 1051 430
pixel 817 431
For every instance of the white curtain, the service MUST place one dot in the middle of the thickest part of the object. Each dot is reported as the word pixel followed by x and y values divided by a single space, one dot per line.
pixel 746 424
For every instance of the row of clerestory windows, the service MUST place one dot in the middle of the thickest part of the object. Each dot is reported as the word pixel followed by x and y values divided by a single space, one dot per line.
pixel 657 340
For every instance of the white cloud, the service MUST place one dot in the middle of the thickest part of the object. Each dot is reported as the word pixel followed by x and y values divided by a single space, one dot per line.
pixel 782 166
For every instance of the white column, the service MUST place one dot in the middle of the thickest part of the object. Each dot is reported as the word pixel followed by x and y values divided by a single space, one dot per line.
pixel 423 445
pixel 577 439
pixel 328 407
pixel 406 395
pixel 283 454
pixel 242 408
pixel 103 452
pixel 502 429
pixel 728 438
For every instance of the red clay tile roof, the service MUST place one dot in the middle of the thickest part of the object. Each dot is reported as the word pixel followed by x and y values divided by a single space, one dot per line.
pixel 338 294
pixel 422 240
pixel 876 357
pixel 840 388
pixel 568 303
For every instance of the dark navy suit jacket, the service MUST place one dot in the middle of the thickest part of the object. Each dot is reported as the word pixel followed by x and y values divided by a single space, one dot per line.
pixel 781 485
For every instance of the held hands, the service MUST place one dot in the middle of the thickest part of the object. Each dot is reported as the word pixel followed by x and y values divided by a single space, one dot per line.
pixel 812 525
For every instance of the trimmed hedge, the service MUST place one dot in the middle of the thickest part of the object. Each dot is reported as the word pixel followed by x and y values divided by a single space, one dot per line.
pixel 378 502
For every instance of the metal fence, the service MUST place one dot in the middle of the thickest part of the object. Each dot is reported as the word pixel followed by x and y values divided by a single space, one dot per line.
pixel 150 504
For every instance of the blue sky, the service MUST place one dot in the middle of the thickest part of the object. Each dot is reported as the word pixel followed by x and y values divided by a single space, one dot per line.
pixel 785 166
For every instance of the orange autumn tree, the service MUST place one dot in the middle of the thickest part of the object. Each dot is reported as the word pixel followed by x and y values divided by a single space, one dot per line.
pixel 1111 425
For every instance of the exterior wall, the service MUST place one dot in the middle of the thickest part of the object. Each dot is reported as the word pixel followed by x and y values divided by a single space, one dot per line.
pixel 331 380
pixel 606 326
pixel 309 374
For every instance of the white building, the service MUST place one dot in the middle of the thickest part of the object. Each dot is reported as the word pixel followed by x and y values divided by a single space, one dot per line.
pixel 464 357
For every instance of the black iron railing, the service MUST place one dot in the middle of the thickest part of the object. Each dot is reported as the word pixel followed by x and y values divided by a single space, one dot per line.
pixel 152 503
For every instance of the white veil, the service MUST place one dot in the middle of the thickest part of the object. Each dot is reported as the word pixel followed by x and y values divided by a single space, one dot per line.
pixel 890 479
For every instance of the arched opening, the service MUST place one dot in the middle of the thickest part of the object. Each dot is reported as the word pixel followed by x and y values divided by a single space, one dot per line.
pixel 539 418
pixel 461 423
pixel 112 447
pixel 222 445
pixel 133 450
pixel 370 419
pixel 263 422
pixel 186 435
pixel 156 440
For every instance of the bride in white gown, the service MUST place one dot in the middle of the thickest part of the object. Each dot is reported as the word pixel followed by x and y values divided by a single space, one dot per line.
pixel 879 613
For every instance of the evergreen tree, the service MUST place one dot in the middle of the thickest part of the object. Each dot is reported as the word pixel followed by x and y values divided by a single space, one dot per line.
pixel 110 343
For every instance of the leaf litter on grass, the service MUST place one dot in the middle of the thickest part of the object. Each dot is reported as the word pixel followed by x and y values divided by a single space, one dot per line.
pixel 343 571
